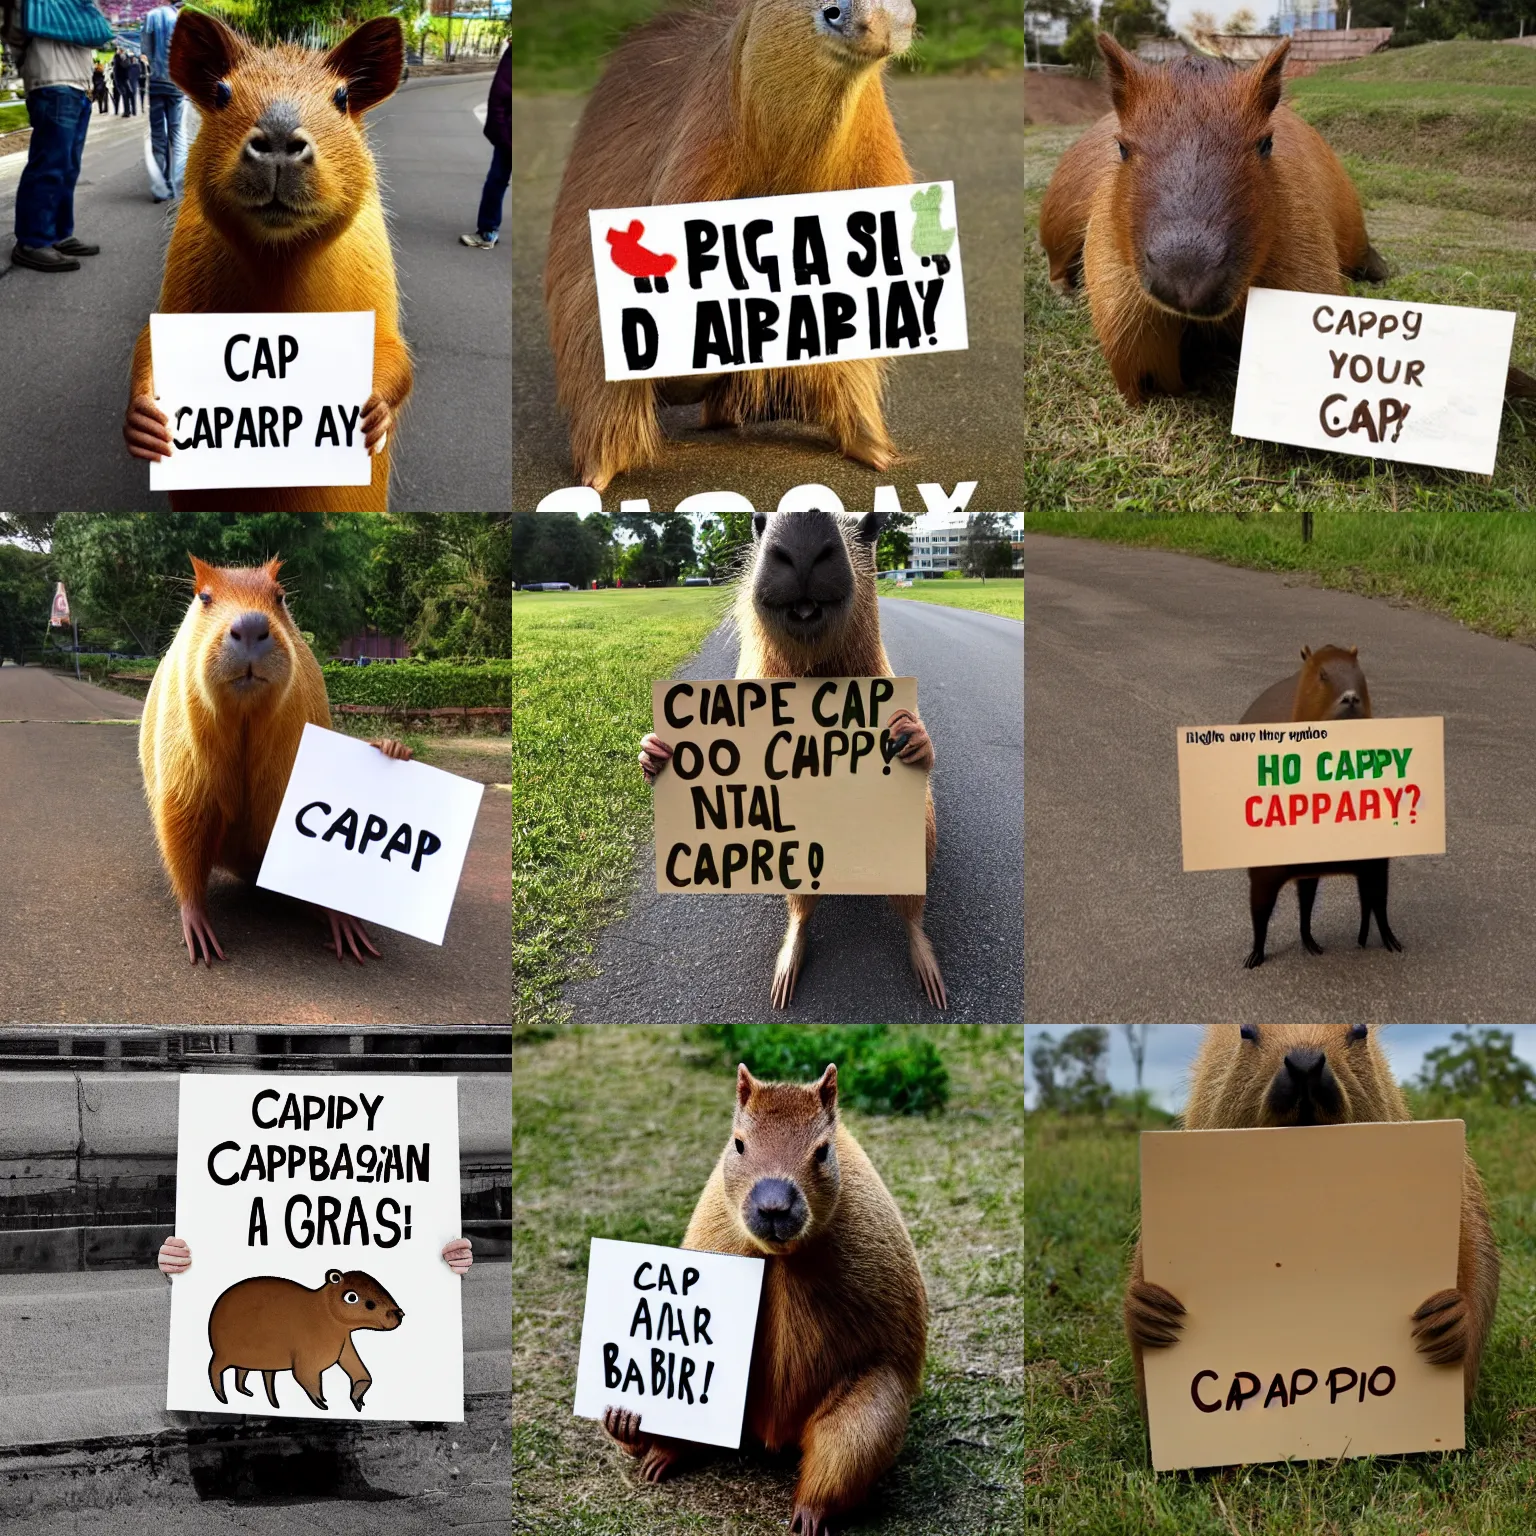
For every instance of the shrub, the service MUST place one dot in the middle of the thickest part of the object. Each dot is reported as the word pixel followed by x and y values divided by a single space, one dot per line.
pixel 421 684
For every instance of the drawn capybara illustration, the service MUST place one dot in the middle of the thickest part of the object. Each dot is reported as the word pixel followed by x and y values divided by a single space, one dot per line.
pixel 269 1324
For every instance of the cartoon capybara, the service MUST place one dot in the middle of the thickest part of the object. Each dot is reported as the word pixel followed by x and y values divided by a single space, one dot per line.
pixel 806 607
pixel 843 1323
pixel 221 727
pixel 1253 1075
pixel 269 1324
pixel 731 98
pixel 1330 686
pixel 282 212
pixel 1198 186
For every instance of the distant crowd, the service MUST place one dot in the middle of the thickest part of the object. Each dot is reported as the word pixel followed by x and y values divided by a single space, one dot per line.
pixel 128 71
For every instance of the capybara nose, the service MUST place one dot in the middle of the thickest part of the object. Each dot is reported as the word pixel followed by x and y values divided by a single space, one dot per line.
pixel 395 1313
pixel 1349 703
pixel 775 1210
pixel 250 637
pixel 1307 1085
pixel 1184 270
pixel 278 139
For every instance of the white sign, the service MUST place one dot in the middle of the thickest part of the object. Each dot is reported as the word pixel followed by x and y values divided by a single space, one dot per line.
pixel 779 282
pixel 1419 383
pixel 316 1209
pixel 668 1333
pixel 371 836
pixel 262 399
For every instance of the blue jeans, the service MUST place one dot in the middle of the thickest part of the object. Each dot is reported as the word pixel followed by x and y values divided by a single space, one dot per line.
pixel 45 195
pixel 164 125
pixel 500 174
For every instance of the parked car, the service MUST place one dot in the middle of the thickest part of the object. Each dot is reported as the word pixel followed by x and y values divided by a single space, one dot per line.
pixel 548 586
pixel 698 581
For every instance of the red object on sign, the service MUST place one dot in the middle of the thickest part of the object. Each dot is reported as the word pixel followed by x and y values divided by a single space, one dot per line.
pixel 632 258
pixel 60 615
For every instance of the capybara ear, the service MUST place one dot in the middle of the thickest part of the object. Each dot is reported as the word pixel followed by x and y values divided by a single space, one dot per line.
pixel 203 52
pixel 333 1277
pixel 1122 70
pixel 744 1084
pixel 1266 78
pixel 870 525
pixel 202 573
pixel 370 61
pixel 826 1088
pixel 273 566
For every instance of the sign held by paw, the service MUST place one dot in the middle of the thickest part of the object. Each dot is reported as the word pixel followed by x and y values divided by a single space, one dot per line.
pixel 376 838
pixel 316 1210
pixel 1297 1337
pixel 784 785
pixel 666 1341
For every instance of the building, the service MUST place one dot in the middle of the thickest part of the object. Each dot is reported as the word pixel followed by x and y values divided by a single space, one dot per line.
pixel 937 538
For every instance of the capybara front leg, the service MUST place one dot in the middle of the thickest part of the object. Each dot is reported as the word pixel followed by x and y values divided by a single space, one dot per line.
pixel 216 1369
pixel 613 429
pixel 849 1441
pixel 1441 1327
pixel 1153 1320
pixel 786 969
pixel 357 1372
pixel 1306 896
pixel 1263 891
pixel 915 745
pixel 848 400
pixel 269 1379
pixel 308 1374
pixel 1371 879
pixel 925 964
pixel 659 1458
pixel 240 1386
pixel 1372 268
pixel 1144 358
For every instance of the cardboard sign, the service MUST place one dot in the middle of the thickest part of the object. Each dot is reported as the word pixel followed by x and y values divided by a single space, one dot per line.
pixel 1311 790
pixel 778 282
pixel 368 835
pixel 262 399
pixel 1420 383
pixel 668 1333
pixel 787 784
pixel 1300 1254
pixel 304 1199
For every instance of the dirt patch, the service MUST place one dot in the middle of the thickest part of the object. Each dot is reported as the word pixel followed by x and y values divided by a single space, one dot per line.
pixel 15 142
pixel 1064 99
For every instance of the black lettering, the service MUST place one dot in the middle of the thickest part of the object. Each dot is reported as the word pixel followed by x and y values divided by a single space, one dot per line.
pixel 229 366
pixel 1194 1392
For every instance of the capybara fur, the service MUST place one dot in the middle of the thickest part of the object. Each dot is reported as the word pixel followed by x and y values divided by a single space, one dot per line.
pixel 1329 686
pixel 843 1322
pixel 1253 1075
pixel 1198 186
pixel 725 99
pixel 281 212
pixel 268 1324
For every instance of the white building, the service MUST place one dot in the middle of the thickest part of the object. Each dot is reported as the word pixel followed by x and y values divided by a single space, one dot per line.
pixel 937 537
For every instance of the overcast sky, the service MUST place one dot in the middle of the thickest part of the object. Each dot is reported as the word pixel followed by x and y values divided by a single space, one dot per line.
pixel 1171 1049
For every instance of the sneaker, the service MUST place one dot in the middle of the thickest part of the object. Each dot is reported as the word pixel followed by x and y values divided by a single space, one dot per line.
pixel 477 241
pixel 43 258
pixel 74 247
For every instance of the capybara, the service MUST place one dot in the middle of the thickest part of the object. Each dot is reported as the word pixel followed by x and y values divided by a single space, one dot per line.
pixel 843 1323
pixel 1329 686
pixel 1199 185
pixel 268 1324
pixel 221 728
pixel 731 98
pixel 1253 1075
pixel 806 607
pixel 282 212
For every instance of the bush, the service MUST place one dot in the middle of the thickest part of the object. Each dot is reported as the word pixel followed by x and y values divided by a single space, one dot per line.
pixel 421 684
pixel 1070 1073
pixel 1480 1065
pixel 878 1069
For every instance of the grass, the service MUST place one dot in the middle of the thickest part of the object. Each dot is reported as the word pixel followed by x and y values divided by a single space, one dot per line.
pixel 615 1130
pixel 1089 1474
pixel 559 46
pixel 1439 140
pixel 12 117
pixel 582 667
pixel 1003 597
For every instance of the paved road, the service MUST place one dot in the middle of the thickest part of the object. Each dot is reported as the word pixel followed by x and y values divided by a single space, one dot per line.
pixel 678 959
pixel 69 338
pixel 1125 646
pixel 88 927
pixel 954 416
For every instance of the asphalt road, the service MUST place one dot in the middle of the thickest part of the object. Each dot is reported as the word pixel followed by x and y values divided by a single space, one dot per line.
pixel 69 337
pixel 88 927
pixel 682 959
pixel 954 416
pixel 1127 645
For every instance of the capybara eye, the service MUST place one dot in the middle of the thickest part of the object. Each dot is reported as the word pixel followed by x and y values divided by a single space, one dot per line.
pixel 340 98
pixel 207 598
pixel 1358 1031
pixel 1266 144
pixel 351 1299
pixel 821 1152
pixel 1124 148
pixel 222 93
pixel 370 1305
pixel 740 1147
pixel 1250 1032
pixel 832 13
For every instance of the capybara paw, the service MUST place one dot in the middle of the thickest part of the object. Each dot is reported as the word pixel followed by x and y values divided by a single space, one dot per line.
pixel 786 972
pixel 1311 945
pixel 1255 959
pixel 346 935
pixel 623 1426
pixel 657 1463
pixel 198 935
pixel 926 968
pixel 911 740
pixel 655 754
pixel 876 452
pixel 243 1391
pixel 390 747
pixel 810 1521
pixel 1440 1328
pixel 598 479
pixel 1389 941
pixel 1152 1315
pixel 146 429
pixel 378 420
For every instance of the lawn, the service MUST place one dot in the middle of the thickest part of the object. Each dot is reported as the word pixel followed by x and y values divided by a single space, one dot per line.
pixel 1089 1474
pixel 615 1130
pixel 560 46
pixel 1002 597
pixel 1439 140
pixel 582 667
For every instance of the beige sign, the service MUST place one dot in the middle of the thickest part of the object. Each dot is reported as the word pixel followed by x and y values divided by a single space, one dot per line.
pixel 1311 791
pixel 1300 1255
pixel 781 785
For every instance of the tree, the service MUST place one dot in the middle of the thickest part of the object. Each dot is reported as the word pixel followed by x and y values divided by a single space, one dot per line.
pixel 1070 1074
pixel 1081 49
pixel 557 546
pixel 893 552
pixel 986 550
pixel 721 542
pixel 1128 21
pixel 1479 1065
pixel 663 547
pixel 1242 22
pixel 1136 1038
pixel 444 581
pixel 26 590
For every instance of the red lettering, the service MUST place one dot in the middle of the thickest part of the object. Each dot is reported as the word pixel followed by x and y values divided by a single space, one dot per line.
pixel 1370 804
pixel 1276 814
pixel 1298 808
pixel 1346 810
pixel 1394 799
pixel 1253 802
pixel 1320 803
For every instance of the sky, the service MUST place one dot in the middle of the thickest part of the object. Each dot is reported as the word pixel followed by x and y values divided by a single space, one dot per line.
pixel 1171 1049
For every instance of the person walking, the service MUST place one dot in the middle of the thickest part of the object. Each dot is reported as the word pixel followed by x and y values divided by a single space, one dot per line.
pixel 143 82
pixel 119 78
pixel 165 100
pixel 99 87
pixel 498 129
pixel 131 72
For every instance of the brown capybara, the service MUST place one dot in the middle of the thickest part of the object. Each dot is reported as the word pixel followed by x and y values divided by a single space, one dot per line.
pixel 1329 686
pixel 1199 185
pixel 268 1324
pixel 806 607
pixel 1253 1075
pixel 731 98
pixel 842 1327
pixel 282 212
pixel 221 727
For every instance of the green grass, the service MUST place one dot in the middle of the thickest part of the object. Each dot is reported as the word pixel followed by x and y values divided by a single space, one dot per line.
pixel 13 117
pixel 1089 1473
pixel 1000 596
pixel 582 667
pixel 1440 140
pixel 560 46
pixel 615 1130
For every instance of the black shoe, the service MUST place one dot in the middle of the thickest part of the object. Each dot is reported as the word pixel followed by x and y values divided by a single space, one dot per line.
pixel 74 247
pixel 43 258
